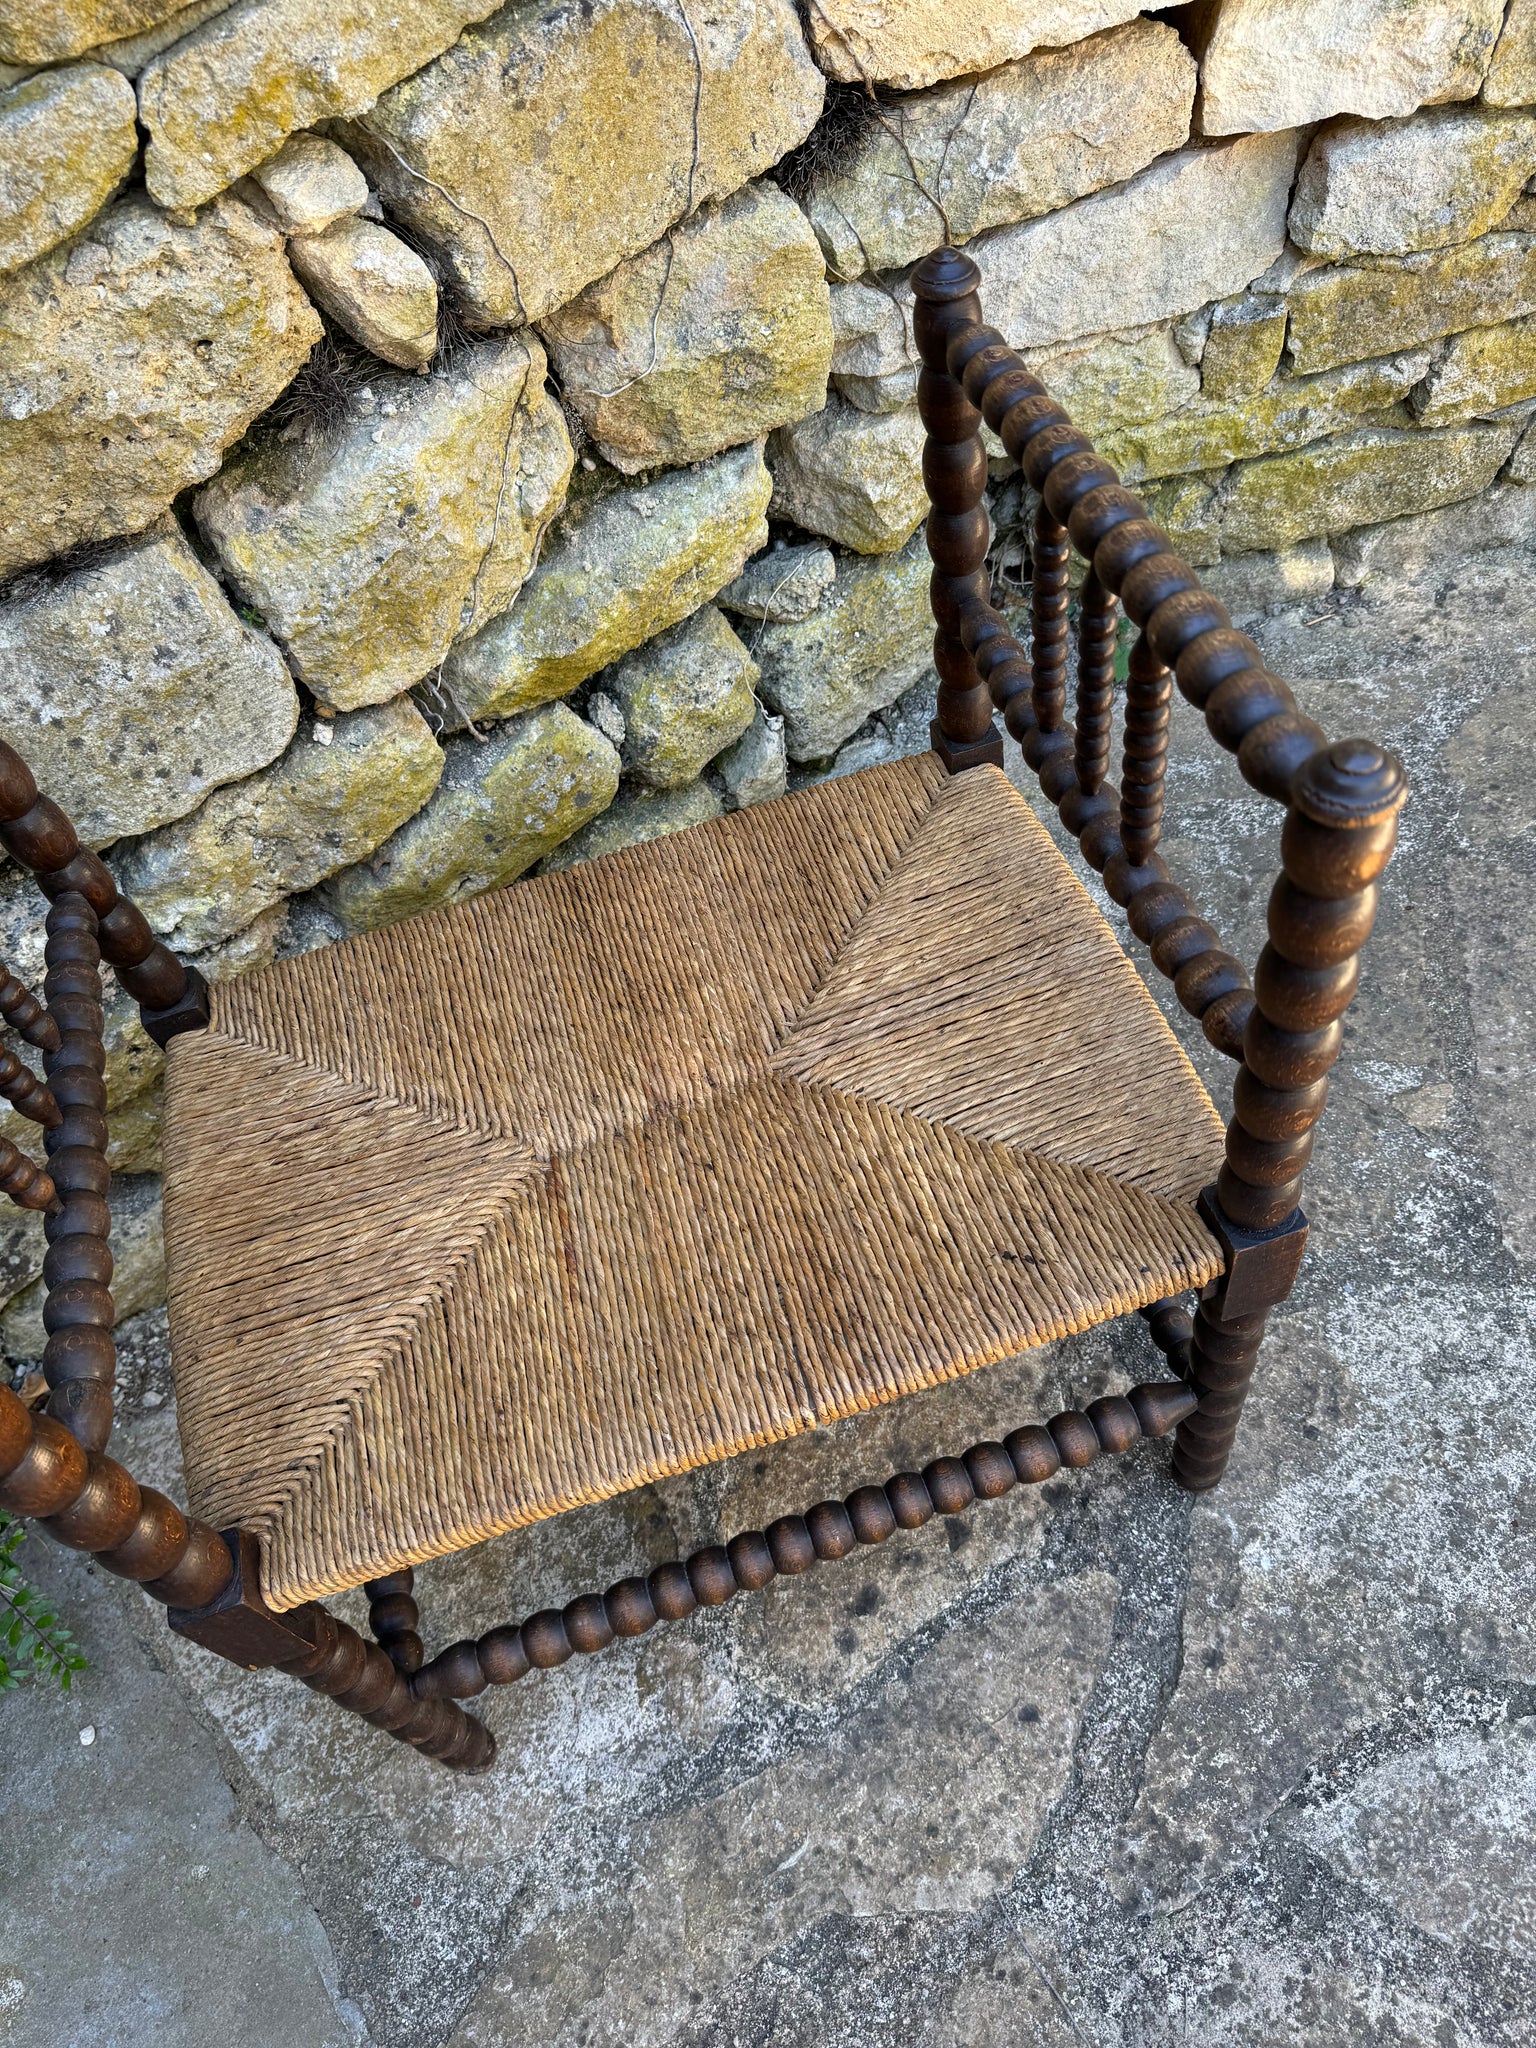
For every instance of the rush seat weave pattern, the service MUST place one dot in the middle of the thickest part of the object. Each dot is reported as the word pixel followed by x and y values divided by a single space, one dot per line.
pixel 623 1170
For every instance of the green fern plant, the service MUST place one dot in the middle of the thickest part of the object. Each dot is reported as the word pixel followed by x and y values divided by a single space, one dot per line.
pixel 34 1643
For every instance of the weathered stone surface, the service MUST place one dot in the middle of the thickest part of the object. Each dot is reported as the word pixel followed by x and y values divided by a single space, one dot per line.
pixel 67 142
pixel 504 802
pixel 548 146
pixel 1272 64
pixel 1385 188
pixel 23 1248
pixel 374 287
pixel 369 548
pixel 874 358
pixel 1118 380
pixel 1426 543
pixel 868 641
pixel 1249 584
pixel 623 564
pixel 1358 480
pixel 685 696
pixel 1185 507
pixel 33 33
pixel 756 768
pixel 785 583
pixel 854 476
pixel 1022 141
pixel 1242 347
pixel 1511 80
pixel 1481 371
pixel 129 361
pixel 129 54
pixel 1198 225
pixel 1289 413
pixel 219 102
pixel 321 808
pixel 1522 464
pixel 1344 313
pixel 636 815
pixel 138 1267
pixel 909 43
pixel 710 338
pixel 310 185
pixel 132 688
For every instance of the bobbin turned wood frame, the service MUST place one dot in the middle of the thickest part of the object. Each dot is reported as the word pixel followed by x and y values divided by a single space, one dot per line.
pixel 1341 807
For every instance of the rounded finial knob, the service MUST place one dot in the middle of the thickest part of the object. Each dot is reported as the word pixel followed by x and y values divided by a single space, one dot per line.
pixel 946 274
pixel 1351 783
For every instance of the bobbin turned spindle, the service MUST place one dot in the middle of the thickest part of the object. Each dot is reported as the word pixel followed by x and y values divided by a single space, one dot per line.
pixel 959 531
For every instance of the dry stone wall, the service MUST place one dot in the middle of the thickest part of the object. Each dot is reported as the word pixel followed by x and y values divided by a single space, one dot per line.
pixel 440 441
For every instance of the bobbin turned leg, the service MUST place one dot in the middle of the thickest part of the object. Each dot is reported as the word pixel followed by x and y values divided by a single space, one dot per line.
pixel 330 1658
pixel 1340 829
pixel 963 734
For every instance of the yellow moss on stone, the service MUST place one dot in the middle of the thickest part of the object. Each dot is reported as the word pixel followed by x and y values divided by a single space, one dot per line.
pixel 504 802
pixel 1481 371
pixel 1242 350
pixel 622 563
pixel 1290 413
pixel 1345 313
pixel 1358 480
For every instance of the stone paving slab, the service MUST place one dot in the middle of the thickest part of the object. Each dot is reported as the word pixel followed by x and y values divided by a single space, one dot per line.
pixel 1098 1764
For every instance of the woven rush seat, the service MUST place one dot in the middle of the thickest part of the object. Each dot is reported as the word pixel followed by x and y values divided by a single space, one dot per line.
pixel 625 1169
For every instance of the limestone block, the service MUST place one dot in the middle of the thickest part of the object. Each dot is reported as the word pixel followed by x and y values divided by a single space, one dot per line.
pixel 710 338
pixel 623 564
pixel 34 33
pixel 1386 188
pixel 320 808
pixel 1242 348
pixel 310 185
pixel 1185 507
pixel 1118 380
pixel 1425 541
pixel 132 689
pixel 1344 313
pixel 854 476
pixel 1250 584
pixel 220 101
pixel 67 142
pixel 635 816
pixel 1481 371
pixel 129 361
pixel 129 54
pixel 785 583
pixel 868 641
pixel 1511 80
pixel 1271 64
pixel 756 768
pixel 370 548
pixel 1022 141
pixel 874 357
pixel 1358 480
pixel 374 287
pixel 685 696
pixel 910 43
pixel 545 148
pixel 1198 225
pixel 1289 413
pixel 504 802
pixel 1522 464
